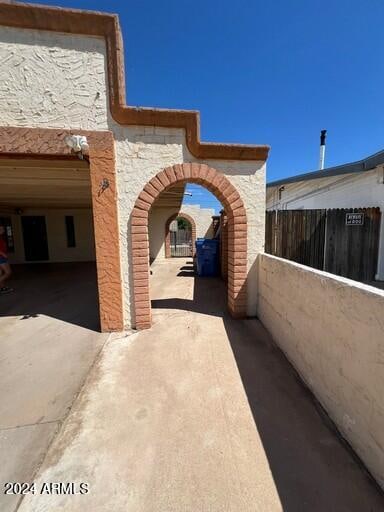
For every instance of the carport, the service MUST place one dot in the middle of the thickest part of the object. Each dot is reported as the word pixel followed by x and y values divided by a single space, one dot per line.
pixel 46 207
pixel 61 222
pixel 54 218
pixel 50 323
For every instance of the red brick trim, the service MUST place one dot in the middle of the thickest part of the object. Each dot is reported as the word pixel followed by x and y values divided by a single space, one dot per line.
pixel 221 187
pixel 224 245
pixel 168 234
pixel 47 143
pixel 92 23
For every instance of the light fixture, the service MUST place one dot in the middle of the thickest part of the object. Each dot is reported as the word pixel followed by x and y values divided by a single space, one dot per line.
pixel 78 144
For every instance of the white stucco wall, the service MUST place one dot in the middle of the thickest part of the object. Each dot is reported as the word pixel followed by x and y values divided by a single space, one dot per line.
pixel 156 231
pixel 158 218
pixel 332 330
pixel 362 190
pixel 52 80
pixel 55 80
pixel 57 237
pixel 202 218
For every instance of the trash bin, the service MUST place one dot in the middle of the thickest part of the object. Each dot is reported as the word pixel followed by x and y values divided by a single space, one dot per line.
pixel 207 257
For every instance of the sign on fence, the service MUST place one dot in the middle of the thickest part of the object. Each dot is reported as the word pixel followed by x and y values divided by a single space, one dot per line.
pixel 354 219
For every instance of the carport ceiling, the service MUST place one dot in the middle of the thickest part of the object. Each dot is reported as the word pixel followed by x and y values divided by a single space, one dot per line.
pixel 44 183
pixel 171 198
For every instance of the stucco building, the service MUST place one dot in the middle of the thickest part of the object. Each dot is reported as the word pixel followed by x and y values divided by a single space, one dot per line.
pixel 62 73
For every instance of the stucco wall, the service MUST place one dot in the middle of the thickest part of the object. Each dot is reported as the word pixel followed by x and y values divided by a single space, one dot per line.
pixel 332 330
pixel 159 216
pixel 57 238
pixel 52 80
pixel 55 80
pixel 202 218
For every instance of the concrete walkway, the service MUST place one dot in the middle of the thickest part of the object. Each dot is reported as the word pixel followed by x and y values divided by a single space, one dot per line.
pixel 47 347
pixel 200 413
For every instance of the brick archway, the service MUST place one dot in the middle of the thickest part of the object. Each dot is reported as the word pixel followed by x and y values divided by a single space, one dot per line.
pixel 173 217
pixel 220 186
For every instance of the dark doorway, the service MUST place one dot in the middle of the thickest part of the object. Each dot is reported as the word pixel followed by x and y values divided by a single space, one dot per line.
pixel 35 238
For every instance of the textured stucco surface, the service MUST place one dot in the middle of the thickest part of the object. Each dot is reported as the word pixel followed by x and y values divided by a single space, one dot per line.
pixel 52 80
pixel 202 218
pixel 55 80
pixel 159 216
pixel 332 330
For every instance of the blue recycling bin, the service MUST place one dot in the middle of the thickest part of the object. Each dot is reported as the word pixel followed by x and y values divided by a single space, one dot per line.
pixel 207 257
pixel 199 242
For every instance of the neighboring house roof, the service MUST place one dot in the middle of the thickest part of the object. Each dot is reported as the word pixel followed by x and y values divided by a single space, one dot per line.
pixel 354 167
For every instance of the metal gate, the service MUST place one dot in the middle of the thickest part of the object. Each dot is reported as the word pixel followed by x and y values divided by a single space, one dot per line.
pixel 181 243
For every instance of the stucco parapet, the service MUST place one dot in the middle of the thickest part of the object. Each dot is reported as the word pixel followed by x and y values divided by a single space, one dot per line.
pixel 326 276
pixel 92 23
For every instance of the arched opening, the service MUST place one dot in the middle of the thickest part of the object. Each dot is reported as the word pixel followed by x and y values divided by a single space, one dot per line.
pixel 220 186
pixel 180 242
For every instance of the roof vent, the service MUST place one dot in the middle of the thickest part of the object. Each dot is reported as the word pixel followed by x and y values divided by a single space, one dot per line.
pixel 323 135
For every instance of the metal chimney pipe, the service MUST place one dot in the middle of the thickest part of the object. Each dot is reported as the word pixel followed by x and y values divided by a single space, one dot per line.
pixel 323 135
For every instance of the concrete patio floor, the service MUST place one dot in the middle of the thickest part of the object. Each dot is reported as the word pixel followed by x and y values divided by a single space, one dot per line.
pixel 48 343
pixel 201 413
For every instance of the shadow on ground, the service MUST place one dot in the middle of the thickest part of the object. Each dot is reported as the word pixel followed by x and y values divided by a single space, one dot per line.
pixel 208 300
pixel 312 468
pixel 65 291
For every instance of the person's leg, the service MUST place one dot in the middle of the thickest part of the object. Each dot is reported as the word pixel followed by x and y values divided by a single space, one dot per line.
pixel 5 269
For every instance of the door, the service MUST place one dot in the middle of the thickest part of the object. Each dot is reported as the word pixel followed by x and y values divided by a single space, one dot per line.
pixel 35 238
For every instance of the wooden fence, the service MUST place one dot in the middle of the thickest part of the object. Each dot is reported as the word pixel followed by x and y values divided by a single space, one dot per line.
pixel 344 242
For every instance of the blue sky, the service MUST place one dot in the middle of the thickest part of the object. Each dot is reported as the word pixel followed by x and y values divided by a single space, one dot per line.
pixel 201 196
pixel 262 72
